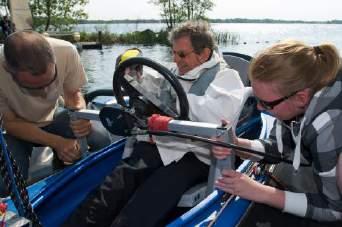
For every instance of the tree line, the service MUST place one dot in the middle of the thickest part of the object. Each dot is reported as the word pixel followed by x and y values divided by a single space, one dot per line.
pixel 233 20
pixel 61 15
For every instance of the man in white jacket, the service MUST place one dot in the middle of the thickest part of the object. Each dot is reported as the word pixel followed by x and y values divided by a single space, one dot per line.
pixel 156 175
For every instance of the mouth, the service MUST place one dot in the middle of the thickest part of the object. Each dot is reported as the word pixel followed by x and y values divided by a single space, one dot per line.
pixel 182 69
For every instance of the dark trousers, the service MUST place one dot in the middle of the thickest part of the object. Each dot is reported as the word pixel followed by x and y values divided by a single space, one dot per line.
pixel 141 191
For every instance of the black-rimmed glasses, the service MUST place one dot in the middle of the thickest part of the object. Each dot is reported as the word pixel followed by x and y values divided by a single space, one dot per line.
pixel 269 105
pixel 39 87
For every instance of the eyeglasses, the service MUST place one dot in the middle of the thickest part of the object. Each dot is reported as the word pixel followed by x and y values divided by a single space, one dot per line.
pixel 181 54
pixel 269 105
pixel 39 87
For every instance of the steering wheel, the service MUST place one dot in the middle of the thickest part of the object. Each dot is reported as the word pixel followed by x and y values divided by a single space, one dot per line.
pixel 142 100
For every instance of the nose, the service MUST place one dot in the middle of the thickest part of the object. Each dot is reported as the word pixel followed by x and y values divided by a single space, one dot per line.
pixel 175 58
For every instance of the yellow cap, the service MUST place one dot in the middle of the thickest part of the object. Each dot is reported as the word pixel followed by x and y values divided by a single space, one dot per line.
pixel 129 54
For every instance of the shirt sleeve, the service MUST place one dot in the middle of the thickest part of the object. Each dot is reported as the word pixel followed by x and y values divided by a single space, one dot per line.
pixel 323 139
pixel 75 76
pixel 3 103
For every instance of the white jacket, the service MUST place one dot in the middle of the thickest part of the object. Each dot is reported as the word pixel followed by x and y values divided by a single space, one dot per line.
pixel 221 100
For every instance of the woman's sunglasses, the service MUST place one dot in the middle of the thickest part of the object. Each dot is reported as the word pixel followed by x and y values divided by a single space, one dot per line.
pixel 269 105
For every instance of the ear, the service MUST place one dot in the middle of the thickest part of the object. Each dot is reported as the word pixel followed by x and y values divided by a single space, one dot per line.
pixel 303 98
pixel 204 56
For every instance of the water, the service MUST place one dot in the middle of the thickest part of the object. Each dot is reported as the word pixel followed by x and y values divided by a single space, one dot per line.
pixel 100 64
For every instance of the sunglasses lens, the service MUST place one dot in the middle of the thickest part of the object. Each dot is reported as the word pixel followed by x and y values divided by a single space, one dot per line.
pixel 264 104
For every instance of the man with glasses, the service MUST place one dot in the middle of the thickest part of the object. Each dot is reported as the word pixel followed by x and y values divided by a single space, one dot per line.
pixel 36 74
pixel 159 173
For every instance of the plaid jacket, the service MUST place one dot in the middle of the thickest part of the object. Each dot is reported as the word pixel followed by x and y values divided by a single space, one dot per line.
pixel 320 144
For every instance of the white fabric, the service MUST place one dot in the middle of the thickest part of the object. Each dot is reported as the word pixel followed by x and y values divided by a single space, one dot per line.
pixel 321 120
pixel 330 173
pixel 279 137
pixel 295 203
pixel 257 146
pixel 221 101
pixel 298 140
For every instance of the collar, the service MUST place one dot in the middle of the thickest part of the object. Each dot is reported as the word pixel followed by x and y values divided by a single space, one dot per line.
pixel 196 72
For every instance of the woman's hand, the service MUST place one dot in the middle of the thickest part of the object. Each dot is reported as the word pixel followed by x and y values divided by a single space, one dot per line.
pixel 240 184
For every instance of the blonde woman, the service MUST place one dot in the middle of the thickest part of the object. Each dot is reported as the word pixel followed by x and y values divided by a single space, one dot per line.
pixel 301 86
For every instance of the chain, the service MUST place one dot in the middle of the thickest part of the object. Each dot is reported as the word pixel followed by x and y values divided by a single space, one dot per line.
pixel 15 182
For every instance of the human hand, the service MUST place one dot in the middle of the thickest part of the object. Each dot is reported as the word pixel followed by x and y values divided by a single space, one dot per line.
pixel 135 71
pixel 240 184
pixel 222 152
pixel 68 150
pixel 80 127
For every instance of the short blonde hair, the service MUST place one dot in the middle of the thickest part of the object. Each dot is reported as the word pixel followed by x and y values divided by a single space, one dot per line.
pixel 293 66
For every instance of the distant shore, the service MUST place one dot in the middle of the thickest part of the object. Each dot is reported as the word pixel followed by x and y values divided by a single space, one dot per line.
pixel 234 20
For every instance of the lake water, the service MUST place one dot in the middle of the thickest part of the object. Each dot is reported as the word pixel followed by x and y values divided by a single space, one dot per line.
pixel 100 64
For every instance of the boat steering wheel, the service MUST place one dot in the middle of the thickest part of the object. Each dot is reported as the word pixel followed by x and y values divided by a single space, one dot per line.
pixel 143 100
pixel 146 96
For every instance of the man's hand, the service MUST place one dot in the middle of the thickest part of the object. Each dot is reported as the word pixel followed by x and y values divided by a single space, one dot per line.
pixel 74 100
pixel 68 150
pixel 80 127
pixel 223 152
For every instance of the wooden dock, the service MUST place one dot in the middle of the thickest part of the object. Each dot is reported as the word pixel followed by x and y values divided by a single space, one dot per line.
pixel 89 45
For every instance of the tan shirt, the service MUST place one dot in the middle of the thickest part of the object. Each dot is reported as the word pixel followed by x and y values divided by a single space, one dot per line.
pixel 38 109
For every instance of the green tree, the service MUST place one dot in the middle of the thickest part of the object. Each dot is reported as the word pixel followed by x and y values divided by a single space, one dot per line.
pixel 196 9
pixel 176 11
pixel 57 14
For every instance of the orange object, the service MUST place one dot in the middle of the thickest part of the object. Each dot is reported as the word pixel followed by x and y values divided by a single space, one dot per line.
pixel 158 123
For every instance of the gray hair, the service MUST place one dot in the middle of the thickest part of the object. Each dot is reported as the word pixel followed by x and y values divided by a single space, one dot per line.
pixel 199 33
pixel 28 51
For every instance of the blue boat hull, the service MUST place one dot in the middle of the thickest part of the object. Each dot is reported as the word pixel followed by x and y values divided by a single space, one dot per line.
pixel 54 198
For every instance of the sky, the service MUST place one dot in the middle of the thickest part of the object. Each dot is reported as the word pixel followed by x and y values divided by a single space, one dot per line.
pixel 252 9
